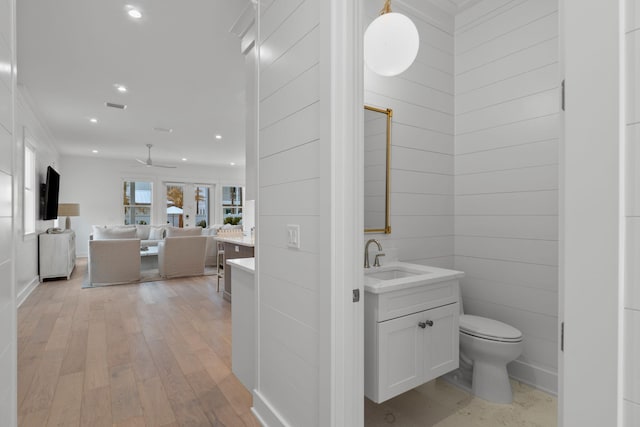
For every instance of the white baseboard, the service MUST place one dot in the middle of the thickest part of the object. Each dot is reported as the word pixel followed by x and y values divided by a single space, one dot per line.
pixel 535 376
pixel 265 413
pixel 24 294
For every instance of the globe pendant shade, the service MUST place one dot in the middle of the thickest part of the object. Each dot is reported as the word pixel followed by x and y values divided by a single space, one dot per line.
pixel 391 44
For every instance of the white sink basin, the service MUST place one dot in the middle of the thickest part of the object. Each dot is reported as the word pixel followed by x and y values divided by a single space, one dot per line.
pixel 400 275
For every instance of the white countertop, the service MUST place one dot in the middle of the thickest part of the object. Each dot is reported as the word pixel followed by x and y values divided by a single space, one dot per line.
pixel 239 240
pixel 419 275
pixel 246 264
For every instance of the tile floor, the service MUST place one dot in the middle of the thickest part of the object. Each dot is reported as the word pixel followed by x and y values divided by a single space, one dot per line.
pixel 440 404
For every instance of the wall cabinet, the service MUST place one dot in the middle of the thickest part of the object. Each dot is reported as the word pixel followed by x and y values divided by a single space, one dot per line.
pixel 404 352
pixel 57 253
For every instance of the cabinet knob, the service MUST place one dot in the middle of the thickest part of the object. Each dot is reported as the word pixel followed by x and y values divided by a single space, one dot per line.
pixel 425 323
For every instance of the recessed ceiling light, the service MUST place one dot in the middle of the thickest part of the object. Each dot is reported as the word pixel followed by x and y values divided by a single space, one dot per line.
pixel 94 151
pixel 232 164
pixel 93 120
pixel 218 136
pixel 134 13
pixel 120 88
pixel 184 159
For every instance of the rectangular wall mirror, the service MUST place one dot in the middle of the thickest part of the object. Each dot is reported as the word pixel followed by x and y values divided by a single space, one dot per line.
pixel 377 162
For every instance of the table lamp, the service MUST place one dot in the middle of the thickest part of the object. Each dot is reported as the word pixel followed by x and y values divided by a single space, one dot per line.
pixel 68 210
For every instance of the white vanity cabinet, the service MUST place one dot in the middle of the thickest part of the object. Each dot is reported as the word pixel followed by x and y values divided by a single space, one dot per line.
pixel 411 337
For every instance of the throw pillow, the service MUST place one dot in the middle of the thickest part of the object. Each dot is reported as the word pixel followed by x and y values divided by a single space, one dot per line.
pixel 156 233
pixel 96 228
pixel 142 231
pixel 184 232
pixel 114 233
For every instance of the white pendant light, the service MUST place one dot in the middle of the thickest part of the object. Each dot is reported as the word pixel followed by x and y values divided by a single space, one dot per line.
pixel 391 43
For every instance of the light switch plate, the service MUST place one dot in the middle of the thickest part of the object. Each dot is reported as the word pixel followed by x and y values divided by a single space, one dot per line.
pixel 293 236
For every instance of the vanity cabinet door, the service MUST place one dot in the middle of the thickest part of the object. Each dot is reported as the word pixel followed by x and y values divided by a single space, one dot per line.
pixel 441 340
pixel 403 353
pixel 401 356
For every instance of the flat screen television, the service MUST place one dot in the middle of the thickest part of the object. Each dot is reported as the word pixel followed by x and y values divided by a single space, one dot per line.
pixel 50 191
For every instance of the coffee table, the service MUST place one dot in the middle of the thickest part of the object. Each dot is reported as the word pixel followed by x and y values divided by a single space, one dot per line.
pixel 149 258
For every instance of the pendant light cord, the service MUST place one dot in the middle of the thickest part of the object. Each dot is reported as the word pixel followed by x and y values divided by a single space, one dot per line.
pixel 386 8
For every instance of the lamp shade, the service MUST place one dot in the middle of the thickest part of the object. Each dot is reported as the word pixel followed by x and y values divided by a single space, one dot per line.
pixel 391 44
pixel 69 209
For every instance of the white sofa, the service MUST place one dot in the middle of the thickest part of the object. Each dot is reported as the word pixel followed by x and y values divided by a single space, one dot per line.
pixel 149 235
pixel 114 261
pixel 182 256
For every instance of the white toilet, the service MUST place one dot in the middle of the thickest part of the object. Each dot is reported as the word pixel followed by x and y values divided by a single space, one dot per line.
pixel 489 345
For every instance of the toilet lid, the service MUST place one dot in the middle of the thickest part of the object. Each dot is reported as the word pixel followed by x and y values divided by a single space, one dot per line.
pixel 488 328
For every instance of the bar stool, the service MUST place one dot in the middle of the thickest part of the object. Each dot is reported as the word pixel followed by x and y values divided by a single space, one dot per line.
pixel 220 263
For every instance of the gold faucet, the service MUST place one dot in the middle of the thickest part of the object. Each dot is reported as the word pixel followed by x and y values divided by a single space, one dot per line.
pixel 366 253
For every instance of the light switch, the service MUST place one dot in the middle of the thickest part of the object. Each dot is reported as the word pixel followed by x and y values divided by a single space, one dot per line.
pixel 293 236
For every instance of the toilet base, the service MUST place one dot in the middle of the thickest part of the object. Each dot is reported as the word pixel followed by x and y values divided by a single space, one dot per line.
pixel 491 382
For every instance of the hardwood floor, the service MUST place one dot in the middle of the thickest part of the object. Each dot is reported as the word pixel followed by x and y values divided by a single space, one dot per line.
pixel 149 354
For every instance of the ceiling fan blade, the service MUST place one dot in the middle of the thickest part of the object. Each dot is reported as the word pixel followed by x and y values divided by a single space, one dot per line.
pixel 149 163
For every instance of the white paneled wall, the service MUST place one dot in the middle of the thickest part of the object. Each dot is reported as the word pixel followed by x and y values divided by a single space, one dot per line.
pixel 506 173
pixel 422 100
pixel 289 193
pixel 631 393
pixel 7 282
pixel 28 124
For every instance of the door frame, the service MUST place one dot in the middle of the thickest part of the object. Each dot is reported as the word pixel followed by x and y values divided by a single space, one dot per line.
pixel 342 123
pixel 592 213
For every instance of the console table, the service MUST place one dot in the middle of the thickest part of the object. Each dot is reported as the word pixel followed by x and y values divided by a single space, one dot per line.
pixel 57 254
pixel 234 247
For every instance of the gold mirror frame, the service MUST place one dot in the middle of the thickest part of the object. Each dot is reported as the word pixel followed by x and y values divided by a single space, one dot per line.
pixel 387 217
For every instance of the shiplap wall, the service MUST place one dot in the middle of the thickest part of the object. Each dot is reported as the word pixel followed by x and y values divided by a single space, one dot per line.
pixel 26 261
pixel 506 173
pixel 422 140
pixel 631 374
pixel 289 193
pixel 7 284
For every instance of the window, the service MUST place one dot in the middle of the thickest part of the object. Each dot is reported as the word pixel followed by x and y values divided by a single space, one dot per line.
pixel 175 205
pixel 29 190
pixel 187 202
pixel 232 205
pixel 137 202
pixel 202 205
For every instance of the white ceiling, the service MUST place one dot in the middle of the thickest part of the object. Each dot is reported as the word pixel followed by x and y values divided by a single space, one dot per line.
pixel 182 66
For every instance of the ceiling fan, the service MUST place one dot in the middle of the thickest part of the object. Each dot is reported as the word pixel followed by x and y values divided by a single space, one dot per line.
pixel 149 163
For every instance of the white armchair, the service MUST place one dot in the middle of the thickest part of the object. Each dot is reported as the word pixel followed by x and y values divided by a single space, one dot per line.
pixel 182 256
pixel 114 261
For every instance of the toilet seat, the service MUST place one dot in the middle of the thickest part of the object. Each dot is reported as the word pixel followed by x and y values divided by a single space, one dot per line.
pixel 488 329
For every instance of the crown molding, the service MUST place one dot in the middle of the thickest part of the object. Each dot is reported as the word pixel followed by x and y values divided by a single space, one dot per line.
pixel 452 7
pixel 428 11
pixel 245 21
